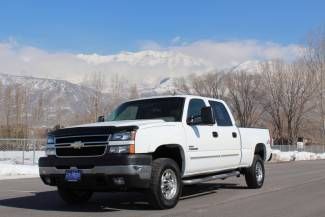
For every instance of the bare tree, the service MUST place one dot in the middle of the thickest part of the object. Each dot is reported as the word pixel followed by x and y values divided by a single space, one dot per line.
pixel 59 112
pixel 272 83
pixel 26 111
pixel 182 86
pixel 8 103
pixel 210 85
pixel 299 87
pixel 134 93
pixel 38 113
pixel 244 94
pixel 290 89
pixel 1 102
pixel 116 95
pixel 314 56
pixel 97 82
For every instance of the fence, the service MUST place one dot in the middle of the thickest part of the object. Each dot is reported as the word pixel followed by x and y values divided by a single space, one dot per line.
pixel 307 148
pixel 21 151
pixel 28 151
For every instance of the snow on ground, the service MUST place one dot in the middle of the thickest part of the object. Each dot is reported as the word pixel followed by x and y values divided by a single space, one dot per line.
pixel 18 156
pixel 11 161
pixel 11 169
pixel 278 156
pixel 11 164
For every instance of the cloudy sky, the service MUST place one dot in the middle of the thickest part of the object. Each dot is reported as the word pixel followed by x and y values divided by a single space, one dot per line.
pixel 69 39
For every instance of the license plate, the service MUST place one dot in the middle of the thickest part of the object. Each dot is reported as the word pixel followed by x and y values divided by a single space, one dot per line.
pixel 73 175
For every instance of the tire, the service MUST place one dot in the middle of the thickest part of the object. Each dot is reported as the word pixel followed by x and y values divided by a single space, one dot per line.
pixel 165 196
pixel 71 196
pixel 255 174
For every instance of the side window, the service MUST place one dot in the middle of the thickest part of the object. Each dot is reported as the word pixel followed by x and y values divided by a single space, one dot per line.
pixel 220 113
pixel 194 108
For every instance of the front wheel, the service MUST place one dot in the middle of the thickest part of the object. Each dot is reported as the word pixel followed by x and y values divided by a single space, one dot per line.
pixel 165 188
pixel 255 174
pixel 72 196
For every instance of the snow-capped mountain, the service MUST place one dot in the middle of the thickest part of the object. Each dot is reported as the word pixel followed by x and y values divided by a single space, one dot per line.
pixel 251 66
pixel 68 99
pixel 166 84
pixel 147 58
pixel 146 68
pixel 54 96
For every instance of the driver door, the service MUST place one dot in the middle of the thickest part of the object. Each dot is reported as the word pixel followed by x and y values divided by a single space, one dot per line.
pixel 200 141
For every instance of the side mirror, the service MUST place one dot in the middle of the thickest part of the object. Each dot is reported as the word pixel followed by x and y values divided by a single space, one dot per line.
pixel 100 119
pixel 194 120
pixel 207 116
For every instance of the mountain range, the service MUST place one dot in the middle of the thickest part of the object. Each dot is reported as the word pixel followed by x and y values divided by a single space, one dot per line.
pixel 159 69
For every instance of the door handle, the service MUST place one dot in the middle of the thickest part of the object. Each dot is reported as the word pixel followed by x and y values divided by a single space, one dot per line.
pixel 193 148
pixel 215 134
pixel 234 134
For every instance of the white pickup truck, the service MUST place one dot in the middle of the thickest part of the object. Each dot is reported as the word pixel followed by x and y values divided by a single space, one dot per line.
pixel 155 145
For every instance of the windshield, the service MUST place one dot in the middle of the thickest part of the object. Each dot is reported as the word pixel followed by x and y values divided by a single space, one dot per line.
pixel 169 109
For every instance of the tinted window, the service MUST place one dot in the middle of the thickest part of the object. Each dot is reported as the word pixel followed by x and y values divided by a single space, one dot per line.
pixel 168 109
pixel 220 113
pixel 194 108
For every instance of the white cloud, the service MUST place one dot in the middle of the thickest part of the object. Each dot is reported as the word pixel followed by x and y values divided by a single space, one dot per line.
pixel 147 66
pixel 224 54
pixel 176 40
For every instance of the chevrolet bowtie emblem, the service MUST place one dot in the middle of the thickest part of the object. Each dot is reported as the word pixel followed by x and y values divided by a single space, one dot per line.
pixel 77 145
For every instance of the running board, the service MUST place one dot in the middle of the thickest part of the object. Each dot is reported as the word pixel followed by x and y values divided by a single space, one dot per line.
pixel 210 178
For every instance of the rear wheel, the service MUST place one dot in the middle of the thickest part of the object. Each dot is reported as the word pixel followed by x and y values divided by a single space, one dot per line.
pixel 255 174
pixel 165 188
pixel 72 196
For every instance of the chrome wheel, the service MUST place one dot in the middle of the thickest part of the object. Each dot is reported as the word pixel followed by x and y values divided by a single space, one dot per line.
pixel 168 184
pixel 259 172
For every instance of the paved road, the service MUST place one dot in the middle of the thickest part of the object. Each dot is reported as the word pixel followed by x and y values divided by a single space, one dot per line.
pixel 291 190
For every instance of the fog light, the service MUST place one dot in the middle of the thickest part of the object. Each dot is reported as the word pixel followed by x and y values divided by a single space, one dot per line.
pixel 50 151
pixel 47 180
pixel 118 180
pixel 137 168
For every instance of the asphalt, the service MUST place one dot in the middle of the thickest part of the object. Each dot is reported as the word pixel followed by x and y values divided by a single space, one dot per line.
pixel 294 189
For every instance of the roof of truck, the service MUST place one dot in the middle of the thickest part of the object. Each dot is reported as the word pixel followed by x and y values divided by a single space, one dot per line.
pixel 181 95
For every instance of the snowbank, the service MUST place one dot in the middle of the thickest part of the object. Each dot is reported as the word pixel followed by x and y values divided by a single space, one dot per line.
pixel 17 156
pixel 11 164
pixel 278 156
pixel 11 169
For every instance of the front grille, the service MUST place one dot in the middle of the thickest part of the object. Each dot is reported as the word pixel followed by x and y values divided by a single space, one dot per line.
pixel 87 138
pixel 92 145
pixel 87 151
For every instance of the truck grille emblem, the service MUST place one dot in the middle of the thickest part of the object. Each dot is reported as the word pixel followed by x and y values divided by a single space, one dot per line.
pixel 77 145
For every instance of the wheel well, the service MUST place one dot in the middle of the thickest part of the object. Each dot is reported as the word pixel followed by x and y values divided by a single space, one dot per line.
pixel 260 150
pixel 171 151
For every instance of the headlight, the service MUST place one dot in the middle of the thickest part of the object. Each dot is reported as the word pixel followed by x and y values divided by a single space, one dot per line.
pixel 122 136
pixel 50 146
pixel 122 142
pixel 50 139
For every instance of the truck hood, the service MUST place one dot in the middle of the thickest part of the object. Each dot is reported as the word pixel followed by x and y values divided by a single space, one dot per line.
pixel 139 123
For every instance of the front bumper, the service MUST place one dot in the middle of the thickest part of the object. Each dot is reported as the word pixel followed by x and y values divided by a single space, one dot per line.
pixel 99 173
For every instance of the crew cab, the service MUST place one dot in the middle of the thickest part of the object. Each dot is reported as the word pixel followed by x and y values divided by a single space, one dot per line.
pixel 154 145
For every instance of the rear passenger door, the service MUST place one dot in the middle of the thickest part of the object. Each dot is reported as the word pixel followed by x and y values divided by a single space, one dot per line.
pixel 227 143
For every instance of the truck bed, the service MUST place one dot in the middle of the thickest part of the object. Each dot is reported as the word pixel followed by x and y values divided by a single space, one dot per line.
pixel 249 138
